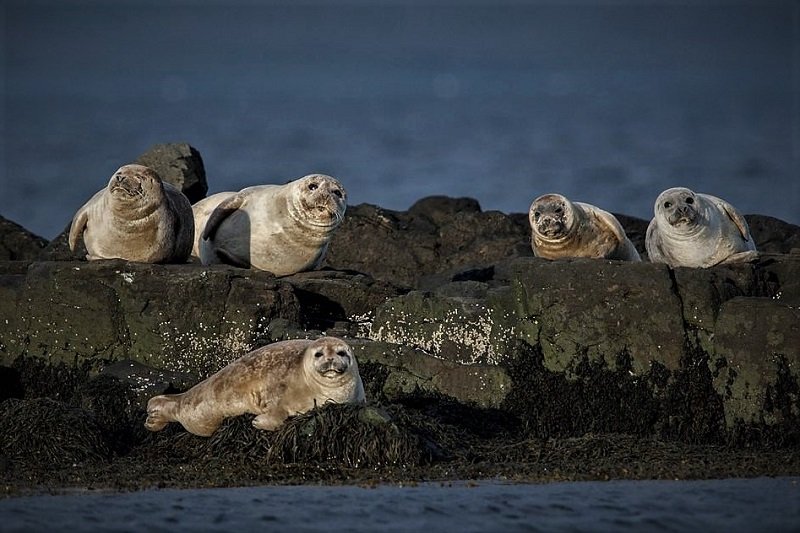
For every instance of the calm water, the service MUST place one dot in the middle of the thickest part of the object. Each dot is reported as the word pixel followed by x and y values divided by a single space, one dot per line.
pixel 731 505
pixel 608 103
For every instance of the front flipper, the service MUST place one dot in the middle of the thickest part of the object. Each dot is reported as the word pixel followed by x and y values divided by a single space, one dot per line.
pixel 270 421
pixel 749 256
pixel 76 229
pixel 737 219
pixel 225 209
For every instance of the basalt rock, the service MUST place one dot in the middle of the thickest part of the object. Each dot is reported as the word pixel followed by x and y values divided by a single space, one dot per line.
pixel 184 318
pixel 436 234
pixel 17 243
pixel 179 164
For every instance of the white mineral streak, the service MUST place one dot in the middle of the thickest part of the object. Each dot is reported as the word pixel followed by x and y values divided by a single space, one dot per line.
pixel 472 333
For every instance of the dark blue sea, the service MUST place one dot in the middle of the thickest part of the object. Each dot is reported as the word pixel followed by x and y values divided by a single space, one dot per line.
pixel 606 102
pixel 730 506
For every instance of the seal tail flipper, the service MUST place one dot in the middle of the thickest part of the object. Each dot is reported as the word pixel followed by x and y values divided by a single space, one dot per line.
pixel 160 411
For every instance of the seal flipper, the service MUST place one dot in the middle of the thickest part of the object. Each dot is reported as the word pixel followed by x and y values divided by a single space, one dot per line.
pixel 77 227
pixel 225 208
pixel 161 411
pixel 271 420
pixel 737 219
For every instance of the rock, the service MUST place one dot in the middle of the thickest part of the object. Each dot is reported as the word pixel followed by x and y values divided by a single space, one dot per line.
pixel 773 235
pixel 17 243
pixel 179 164
pixel 757 362
pixel 636 230
pixel 328 297
pixel 411 373
pixel 58 248
pixel 436 235
pixel 184 318
pixel 146 381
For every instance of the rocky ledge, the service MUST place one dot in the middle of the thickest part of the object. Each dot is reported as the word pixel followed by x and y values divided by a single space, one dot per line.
pixel 472 351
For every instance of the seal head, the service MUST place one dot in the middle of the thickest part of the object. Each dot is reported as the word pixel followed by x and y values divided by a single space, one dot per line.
pixel 552 216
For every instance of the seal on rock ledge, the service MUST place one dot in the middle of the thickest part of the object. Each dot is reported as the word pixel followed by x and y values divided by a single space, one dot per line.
pixel 274 382
pixel 692 229
pixel 561 228
pixel 137 217
pixel 283 229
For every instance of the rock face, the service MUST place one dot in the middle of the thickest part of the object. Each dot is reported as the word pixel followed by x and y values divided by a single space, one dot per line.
pixel 17 243
pixel 179 164
pixel 446 303
pixel 436 235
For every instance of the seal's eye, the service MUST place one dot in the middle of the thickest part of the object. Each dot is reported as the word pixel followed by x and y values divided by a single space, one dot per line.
pixel 690 200
pixel 318 355
pixel 342 353
pixel 337 193
pixel 667 205
pixel 559 210
pixel 312 186
pixel 536 215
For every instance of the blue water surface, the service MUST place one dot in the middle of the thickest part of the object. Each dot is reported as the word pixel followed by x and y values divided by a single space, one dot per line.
pixel 608 103
pixel 730 505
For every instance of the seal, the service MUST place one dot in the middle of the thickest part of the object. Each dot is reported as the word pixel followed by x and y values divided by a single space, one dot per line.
pixel 283 229
pixel 136 217
pixel 561 228
pixel 274 382
pixel 697 230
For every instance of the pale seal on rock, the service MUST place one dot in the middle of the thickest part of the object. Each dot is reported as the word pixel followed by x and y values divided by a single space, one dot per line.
pixel 561 228
pixel 697 230
pixel 137 217
pixel 274 382
pixel 283 229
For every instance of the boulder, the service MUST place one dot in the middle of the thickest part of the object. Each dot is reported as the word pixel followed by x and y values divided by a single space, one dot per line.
pixel 179 164
pixel 757 361
pixel 436 234
pixel 184 318
pixel 17 243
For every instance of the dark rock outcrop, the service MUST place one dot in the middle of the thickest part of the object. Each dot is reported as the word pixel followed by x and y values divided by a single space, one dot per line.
pixel 436 234
pixel 445 303
pixel 17 243
pixel 179 164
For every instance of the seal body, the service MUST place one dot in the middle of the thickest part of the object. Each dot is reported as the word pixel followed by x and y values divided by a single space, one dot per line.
pixel 561 228
pixel 697 230
pixel 136 217
pixel 274 382
pixel 283 229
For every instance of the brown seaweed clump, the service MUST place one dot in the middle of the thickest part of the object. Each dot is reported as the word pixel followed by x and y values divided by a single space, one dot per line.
pixel 352 436
pixel 43 431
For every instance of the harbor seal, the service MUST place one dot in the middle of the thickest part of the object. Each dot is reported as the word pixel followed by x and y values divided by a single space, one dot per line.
pixel 137 217
pixel 283 229
pixel 697 230
pixel 275 382
pixel 561 228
